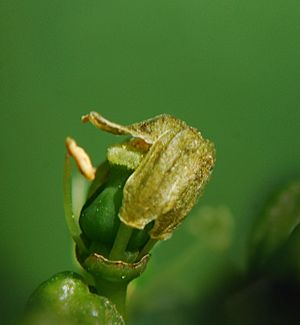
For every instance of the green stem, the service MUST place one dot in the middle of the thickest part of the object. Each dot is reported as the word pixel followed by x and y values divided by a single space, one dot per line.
pixel 147 248
pixel 72 221
pixel 115 292
pixel 120 243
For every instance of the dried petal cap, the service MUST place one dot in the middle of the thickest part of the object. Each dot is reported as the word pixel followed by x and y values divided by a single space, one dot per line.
pixel 149 130
pixel 168 180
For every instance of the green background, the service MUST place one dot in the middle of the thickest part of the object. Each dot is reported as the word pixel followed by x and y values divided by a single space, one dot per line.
pixel 230 68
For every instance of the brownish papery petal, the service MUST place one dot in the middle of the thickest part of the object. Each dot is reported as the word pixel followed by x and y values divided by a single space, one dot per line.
pixel 170 177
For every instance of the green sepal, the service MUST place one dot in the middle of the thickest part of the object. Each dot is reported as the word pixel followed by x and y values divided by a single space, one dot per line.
pixel 114 271
pixel 111 278
pixel 66 299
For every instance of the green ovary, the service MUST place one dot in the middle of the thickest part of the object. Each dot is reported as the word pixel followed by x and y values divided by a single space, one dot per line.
pixel 99 220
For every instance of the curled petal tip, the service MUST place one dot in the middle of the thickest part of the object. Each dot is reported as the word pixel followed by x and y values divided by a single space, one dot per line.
pixel 85 118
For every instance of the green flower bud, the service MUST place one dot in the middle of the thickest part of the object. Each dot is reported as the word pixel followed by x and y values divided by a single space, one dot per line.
pixel 143 191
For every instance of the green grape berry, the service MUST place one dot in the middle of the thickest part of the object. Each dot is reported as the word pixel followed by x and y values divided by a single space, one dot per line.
pixel 66 299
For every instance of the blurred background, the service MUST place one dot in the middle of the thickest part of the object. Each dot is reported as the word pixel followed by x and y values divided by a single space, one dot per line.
pixel 229 68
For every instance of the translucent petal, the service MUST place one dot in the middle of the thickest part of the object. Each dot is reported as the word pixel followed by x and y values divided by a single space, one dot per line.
pixel 170 177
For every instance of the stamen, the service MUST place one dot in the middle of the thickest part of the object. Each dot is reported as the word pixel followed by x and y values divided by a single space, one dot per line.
pixel 82 159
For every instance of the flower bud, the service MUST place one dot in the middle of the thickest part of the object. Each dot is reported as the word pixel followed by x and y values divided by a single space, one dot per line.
pixel 143 191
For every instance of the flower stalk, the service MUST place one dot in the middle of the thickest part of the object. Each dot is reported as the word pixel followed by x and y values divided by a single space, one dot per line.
pixel 119 247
